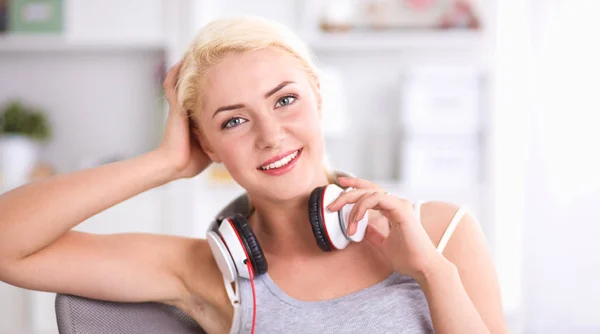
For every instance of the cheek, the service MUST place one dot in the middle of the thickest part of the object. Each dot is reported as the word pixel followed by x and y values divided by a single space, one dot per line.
pixel 308 124
pixel 307 129
pixel 233 151
pixel 306 116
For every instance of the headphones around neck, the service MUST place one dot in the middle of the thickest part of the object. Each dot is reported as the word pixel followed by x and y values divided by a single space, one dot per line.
pixel 233 244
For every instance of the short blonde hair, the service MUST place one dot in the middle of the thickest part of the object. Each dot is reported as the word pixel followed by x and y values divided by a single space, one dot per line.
pixel 237 34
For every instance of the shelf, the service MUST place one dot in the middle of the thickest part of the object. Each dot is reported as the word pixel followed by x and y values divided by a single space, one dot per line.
pixel 353 41
pixel 394 41
pixel 57 43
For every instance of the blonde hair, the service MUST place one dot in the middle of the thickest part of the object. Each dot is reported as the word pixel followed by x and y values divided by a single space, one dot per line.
pixel 234 35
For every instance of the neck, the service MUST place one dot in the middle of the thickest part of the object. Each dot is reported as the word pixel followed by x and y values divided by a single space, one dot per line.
pixel 282 226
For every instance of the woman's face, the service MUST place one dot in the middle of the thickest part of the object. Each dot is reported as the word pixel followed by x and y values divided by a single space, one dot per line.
pixel 260 118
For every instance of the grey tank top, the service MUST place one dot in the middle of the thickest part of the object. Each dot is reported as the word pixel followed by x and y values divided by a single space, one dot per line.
pixel 395 305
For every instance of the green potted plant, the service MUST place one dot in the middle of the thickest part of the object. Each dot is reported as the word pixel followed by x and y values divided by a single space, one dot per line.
pixel 22 130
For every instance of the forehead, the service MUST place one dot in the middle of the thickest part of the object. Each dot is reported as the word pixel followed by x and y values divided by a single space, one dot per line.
pixel 243 77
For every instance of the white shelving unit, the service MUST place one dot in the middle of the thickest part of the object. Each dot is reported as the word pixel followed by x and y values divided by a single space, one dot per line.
pixel 394 41
pixel 59 43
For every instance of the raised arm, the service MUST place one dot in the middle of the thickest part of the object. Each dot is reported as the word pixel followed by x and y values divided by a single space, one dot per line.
pixel 39 250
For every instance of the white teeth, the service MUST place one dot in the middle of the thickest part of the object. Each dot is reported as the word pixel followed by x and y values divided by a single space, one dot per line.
pixel 281 162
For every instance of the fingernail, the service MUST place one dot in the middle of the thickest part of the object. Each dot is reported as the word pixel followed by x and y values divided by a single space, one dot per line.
pixel 352 229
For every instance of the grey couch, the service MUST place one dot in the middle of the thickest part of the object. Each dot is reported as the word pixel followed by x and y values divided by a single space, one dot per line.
pixel 77 315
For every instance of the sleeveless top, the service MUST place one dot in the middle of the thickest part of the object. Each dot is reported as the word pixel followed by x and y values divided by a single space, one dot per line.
pixel 395 305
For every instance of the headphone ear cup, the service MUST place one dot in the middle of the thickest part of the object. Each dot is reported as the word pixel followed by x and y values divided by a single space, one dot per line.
pixel 257 257
pixel 315 215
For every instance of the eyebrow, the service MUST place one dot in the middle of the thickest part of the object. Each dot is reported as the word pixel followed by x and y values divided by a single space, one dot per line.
pixel 267 95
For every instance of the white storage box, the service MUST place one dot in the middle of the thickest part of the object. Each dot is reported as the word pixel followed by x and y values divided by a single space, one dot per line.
pixel 440 161
pixel 441 100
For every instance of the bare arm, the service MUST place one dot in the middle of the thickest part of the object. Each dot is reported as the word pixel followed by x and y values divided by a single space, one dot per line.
pixel 35 215
pixel 39 250
pixel 462 290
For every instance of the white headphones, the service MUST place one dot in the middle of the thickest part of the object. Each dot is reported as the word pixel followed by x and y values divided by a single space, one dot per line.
pixel 238 253
pixel 233 244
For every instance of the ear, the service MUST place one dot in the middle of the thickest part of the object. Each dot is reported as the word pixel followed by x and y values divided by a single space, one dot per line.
pixel 206 147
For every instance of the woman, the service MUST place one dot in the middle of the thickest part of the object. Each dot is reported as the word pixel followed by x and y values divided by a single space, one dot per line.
pixel 252 96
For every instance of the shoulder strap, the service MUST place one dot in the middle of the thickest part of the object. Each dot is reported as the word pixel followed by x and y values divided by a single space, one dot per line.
pixel 417 207
pixel 451 227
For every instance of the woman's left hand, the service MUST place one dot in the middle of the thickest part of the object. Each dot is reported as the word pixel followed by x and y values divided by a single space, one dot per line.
pixel 407 245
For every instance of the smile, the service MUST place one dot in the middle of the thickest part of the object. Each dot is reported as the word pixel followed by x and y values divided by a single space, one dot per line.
pixel 281 162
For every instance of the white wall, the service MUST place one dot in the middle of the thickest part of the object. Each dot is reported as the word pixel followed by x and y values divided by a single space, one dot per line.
pixel 99 103
pixel 561 265
pixel 509 125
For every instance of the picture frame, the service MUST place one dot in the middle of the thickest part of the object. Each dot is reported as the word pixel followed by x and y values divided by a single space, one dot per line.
pixel 3 16
pixel 35 16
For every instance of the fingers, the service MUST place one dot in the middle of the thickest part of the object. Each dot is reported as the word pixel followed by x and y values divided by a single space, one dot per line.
pixel 393 208
pixel 356 182
pixel 350 196
pixel 172 76
pixel 171 82
pixel 365 196
pixel 363 200
pixel 364 203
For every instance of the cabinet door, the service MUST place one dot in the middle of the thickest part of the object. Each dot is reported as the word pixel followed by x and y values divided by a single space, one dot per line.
pixel 134 21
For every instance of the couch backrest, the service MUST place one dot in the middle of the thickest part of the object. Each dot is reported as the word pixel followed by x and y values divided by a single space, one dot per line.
pixel 77 315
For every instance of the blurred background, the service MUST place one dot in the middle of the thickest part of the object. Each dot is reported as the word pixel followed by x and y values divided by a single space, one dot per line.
pixel 486 103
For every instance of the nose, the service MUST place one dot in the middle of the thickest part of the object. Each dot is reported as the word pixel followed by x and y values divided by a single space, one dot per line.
pixel 270 131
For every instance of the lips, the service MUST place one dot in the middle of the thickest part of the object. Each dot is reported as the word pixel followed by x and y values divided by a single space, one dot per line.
pixel 280 159
pixel 282 166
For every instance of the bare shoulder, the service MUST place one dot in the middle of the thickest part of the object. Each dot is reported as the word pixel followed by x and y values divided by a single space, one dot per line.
pixel 468 249
pixel 436 217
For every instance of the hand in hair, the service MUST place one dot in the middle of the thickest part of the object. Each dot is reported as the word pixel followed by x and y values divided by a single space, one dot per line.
pixel 179 146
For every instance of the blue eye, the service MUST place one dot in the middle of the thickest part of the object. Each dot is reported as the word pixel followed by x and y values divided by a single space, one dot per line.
pixel 233 122
pixel 286 100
